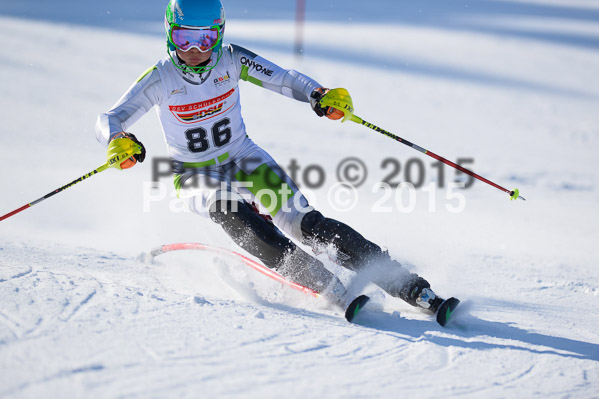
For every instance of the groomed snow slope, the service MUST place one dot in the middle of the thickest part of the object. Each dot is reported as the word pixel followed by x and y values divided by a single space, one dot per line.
pixel 510 84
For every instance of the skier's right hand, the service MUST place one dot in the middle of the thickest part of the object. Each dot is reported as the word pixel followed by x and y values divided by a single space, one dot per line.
pixel 131 161
pixel 329 112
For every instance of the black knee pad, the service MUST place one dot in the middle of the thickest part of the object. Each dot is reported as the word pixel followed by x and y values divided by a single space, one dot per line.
pixel 310 222
pixel 354 251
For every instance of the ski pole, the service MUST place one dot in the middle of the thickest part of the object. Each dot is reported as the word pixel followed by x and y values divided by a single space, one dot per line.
pixel 341 100
pixel 117 153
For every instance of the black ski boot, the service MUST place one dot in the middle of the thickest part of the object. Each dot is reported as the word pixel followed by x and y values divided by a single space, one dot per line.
pixel 427 299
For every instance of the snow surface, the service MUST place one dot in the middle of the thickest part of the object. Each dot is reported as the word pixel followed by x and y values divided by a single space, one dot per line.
pixel 511 84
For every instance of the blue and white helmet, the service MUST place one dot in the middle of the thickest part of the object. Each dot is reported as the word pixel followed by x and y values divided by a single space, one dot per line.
pixel 194 14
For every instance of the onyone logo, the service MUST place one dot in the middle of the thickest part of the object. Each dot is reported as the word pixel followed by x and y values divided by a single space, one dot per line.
pixel 203 110
pixel 253 64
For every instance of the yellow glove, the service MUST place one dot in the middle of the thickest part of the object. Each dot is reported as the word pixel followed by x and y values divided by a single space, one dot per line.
pixel 123 143
pixel 329 112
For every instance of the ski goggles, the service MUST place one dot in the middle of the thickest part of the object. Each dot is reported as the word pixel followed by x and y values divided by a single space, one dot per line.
pixel 204 39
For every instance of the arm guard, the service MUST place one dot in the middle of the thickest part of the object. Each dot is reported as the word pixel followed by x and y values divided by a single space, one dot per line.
pixel 257 70
pixel 137 101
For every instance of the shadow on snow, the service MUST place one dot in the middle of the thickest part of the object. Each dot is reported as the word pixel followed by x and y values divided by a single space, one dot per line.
pixel 470 332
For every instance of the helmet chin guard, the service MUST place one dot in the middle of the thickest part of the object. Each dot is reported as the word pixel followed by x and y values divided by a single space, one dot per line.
pixel 194 14
pixel 179 64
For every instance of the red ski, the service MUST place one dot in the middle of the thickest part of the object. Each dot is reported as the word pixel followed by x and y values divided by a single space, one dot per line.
pixel 237 256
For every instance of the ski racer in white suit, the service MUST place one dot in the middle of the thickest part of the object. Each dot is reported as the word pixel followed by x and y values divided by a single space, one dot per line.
pixel 195 90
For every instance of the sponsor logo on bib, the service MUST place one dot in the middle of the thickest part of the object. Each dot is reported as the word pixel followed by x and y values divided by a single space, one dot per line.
pixel 203 110
pixel 222 80
pixel 182 90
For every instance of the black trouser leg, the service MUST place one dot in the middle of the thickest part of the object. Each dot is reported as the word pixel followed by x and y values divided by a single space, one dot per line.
pixel 264 240
pixel 357 253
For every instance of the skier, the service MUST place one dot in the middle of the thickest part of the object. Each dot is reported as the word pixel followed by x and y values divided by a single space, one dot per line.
pixel 195 90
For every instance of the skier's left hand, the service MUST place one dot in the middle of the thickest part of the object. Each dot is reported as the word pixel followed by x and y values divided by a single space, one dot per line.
pixel 329 112
pixel 131 161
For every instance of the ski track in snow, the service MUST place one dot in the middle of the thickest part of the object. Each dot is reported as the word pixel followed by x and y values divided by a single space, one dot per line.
pixel 120 320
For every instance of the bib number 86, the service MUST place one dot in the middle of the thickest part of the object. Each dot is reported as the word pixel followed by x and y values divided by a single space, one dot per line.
pixel 197 138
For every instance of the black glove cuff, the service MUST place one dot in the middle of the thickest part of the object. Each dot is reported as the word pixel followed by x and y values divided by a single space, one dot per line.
pixel 141 156
pixel 315 98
